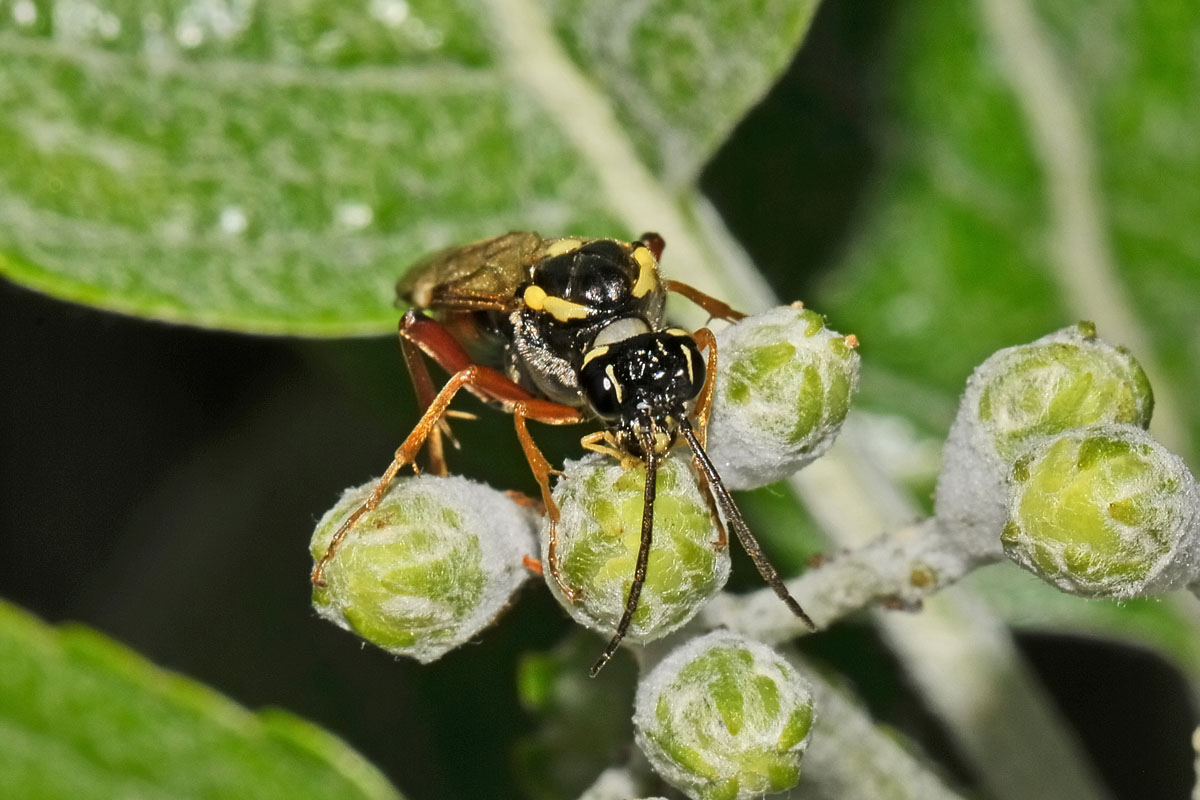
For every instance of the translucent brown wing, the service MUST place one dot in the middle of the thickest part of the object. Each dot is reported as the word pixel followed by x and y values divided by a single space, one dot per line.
pixel 479 276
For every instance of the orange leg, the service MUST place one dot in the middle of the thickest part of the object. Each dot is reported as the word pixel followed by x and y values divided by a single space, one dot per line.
pixel 423 386
pixel 541 473
pixel 706 341
pixel 703 411
pixel 604 443
pixel 715 308
pixel 480 380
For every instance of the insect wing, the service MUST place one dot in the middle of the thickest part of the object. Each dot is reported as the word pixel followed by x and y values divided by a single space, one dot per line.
pixel 479 276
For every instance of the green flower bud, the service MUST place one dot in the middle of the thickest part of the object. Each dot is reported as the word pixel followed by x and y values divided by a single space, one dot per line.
pixel 782 390
pixel 724 718
pixel 600 532
pixel 1062 381
pixel 433 565
pixel 1104 512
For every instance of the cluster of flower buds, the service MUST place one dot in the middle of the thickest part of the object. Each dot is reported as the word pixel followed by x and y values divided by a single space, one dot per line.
pixel 436 562
pixel 1048 463
pixel 439 559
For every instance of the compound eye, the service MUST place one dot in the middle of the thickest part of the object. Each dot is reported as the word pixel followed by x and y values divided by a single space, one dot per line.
pixel 601 388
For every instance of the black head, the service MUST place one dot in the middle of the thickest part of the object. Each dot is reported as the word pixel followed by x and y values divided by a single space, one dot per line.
pixel 650 377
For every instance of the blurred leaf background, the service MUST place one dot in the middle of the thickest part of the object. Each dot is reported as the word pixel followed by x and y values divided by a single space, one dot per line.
pixel 942 180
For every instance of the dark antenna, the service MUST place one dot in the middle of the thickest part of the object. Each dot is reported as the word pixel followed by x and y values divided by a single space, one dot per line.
pixel 733 518
pixel 643 556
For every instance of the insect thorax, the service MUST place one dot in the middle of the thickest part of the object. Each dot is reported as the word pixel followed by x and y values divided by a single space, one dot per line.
pixel 571 298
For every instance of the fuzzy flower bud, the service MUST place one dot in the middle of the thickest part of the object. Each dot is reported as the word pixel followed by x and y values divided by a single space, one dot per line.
pixel 1062 381
pixel 1104 512
pixel 724 718
pixel 782 390
pixel 433 565
pixel 600 532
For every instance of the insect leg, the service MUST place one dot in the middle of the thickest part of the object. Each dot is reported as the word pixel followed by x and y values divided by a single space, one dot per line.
pixel 423 386
pixel 604 443
pixel 703 411
pixel 706 341
pixel 715 308
pixel 404 455
pixel 483 381
pixel 551 414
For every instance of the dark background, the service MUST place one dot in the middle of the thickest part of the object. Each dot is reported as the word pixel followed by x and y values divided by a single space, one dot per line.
pixel 160 484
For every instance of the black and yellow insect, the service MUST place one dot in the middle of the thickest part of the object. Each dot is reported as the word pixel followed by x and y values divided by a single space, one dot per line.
pixel 565 331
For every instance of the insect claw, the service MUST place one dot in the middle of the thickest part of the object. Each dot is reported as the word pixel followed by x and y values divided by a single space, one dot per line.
pixel 571 594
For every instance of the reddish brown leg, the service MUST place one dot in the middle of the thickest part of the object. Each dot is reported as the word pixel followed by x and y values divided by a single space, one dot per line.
pixel 541 472
pixel 703 411
pixel 425 391
pixel 715 308
pixel 436 341
pixel 485 382
pixel 706 341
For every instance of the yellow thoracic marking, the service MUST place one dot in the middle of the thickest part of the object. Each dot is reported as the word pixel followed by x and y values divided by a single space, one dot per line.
pixel 560 246
pixel 647 279
pixel 564 310
pixel 616 384
pixel 677 332
pixel 535 297
pixel 595 352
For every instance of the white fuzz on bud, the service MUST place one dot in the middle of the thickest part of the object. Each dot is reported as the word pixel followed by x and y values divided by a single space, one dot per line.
pixel 600 532
pixel 783 386
pixel 434 564
pixel 724 718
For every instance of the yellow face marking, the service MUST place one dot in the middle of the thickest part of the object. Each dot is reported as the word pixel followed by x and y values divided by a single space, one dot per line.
pixel 647 279
pixel 687 359
pixel 677 332
pixel 616 384
pixel 595 352
pixel 560 246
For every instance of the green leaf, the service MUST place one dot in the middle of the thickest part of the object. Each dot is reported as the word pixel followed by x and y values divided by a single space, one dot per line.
pixel 82 717
pixel 274 167
pixel 1040 168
